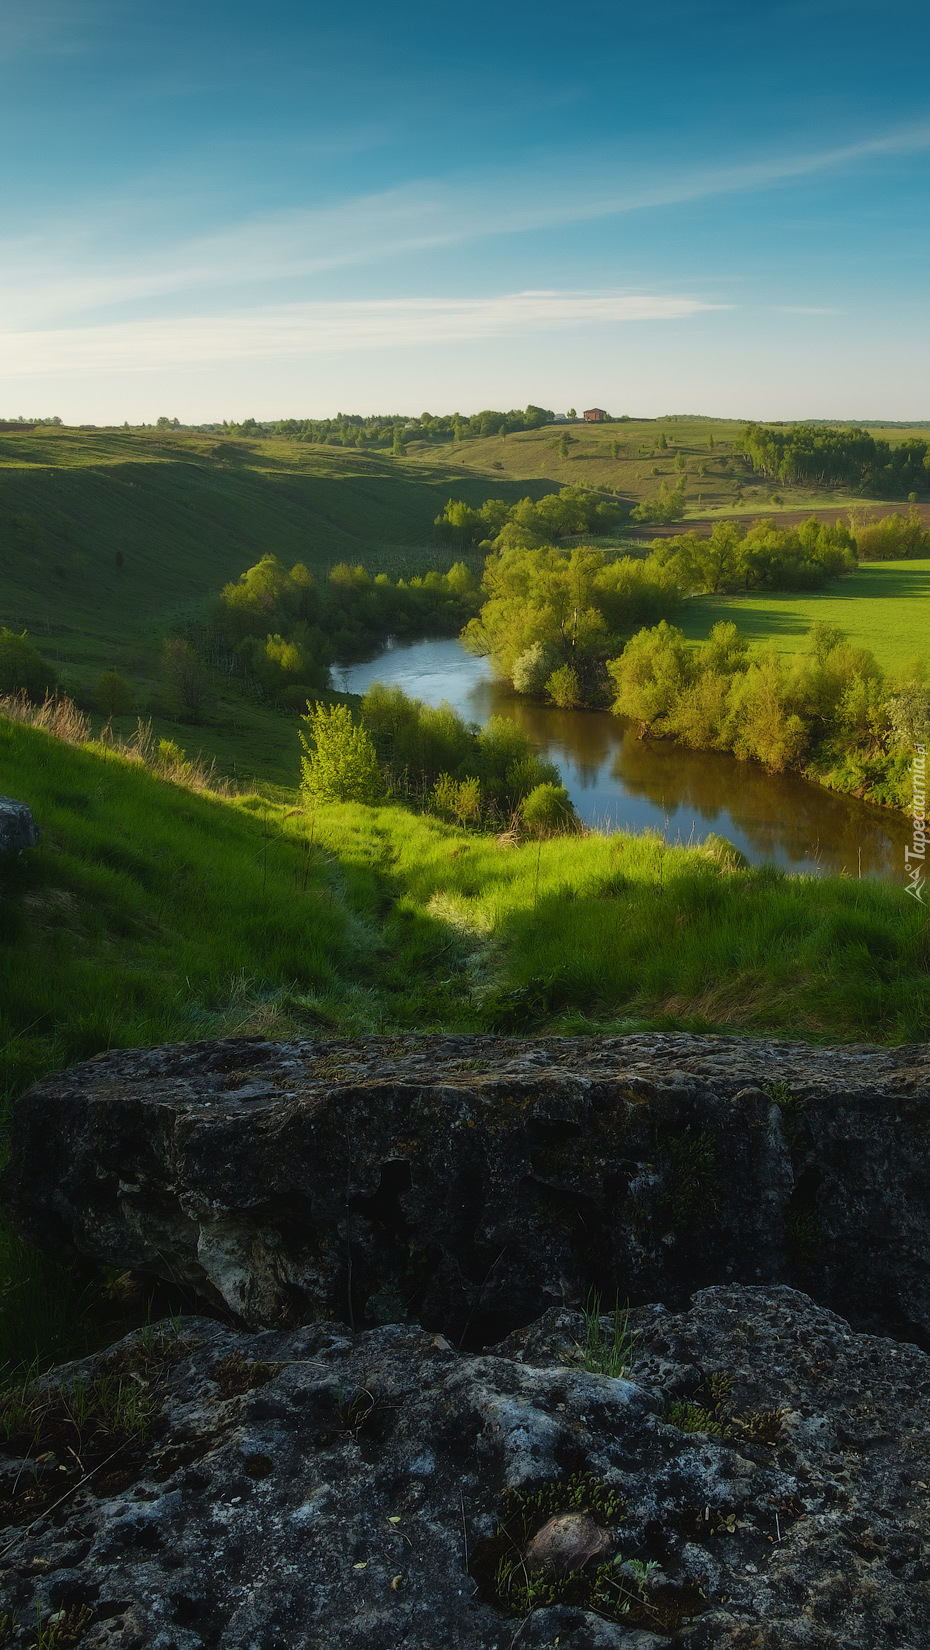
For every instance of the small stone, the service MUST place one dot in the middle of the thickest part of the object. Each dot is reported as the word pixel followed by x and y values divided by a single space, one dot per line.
pixel 565 1543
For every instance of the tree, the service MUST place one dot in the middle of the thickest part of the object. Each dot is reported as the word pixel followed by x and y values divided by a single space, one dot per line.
pixel 651 673
pixel 532 669
pixel 22 667
pixel 113 694
pixel 186 677
pixel 564 688
pixel 339 763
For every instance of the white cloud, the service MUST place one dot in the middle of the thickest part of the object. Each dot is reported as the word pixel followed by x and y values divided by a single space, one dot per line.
pixel 104 258
pixel 289 331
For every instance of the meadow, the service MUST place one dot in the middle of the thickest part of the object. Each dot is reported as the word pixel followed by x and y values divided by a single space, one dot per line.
pixel 884 607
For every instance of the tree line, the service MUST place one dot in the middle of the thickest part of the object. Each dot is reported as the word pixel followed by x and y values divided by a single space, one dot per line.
pixel 829 709
pixel 283 629
pixel 497 525
pixel 393 430
pixel 831 457
pixel 550 619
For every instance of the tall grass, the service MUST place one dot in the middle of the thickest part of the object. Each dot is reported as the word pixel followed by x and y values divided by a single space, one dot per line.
pixel 576 934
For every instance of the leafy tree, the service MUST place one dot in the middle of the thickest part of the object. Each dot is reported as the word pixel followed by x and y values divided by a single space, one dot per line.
pixel 339 763
pixel 114 697
pixel 651 673
pixel 22 667
pixel 564 688
pixel 186 678
pixel 532 669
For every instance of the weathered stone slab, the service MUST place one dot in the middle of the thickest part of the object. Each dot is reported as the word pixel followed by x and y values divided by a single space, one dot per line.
pixel 18 829
pixel 470 1182
pixel 306 1489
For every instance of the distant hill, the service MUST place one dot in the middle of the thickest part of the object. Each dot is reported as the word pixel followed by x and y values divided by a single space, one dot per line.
pixel 107 537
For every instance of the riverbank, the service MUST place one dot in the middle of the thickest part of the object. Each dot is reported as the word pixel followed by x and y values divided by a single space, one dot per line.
pixel 618 782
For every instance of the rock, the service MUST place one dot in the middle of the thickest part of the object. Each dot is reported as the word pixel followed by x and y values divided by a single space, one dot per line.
pixel 471 1182
pixel 567 1542
pixel 18 829
pixel 314 1488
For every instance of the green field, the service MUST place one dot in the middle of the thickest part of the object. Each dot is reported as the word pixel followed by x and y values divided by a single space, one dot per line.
pixel 885 606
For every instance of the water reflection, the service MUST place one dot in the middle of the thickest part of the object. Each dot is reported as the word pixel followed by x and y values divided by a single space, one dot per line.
pixel 619 782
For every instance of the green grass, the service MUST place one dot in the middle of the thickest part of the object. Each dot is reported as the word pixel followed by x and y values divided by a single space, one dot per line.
pixel 186 513
pixel 884 606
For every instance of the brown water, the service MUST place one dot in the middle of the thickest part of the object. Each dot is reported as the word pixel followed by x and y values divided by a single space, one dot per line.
pixel 620 782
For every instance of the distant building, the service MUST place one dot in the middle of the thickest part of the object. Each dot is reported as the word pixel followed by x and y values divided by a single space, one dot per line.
pixel 595 415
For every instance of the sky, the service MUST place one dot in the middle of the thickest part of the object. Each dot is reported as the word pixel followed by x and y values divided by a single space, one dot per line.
pixel 226 210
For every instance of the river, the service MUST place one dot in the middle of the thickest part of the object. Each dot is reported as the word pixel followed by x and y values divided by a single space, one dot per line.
pixel 619 782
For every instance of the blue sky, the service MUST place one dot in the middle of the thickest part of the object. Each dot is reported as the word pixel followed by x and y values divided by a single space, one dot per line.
pixel 214 210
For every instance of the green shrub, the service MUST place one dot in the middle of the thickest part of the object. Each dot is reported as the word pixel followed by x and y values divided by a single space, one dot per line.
pixel 564 688
pixel 22 667
pixel 114 697
pixel 546 809
pixel 339 762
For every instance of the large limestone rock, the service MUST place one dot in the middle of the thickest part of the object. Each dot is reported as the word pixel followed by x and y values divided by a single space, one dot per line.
pixel 18 829
pixel 472 1182
pixel 310 1489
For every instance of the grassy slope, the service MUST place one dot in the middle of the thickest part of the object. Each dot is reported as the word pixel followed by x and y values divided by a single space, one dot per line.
pixel 535 453
pixel 149 913
pixel 884 606
pixel 188 513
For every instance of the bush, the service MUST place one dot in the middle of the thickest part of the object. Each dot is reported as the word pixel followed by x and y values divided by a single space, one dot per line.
pixel 113 694
pixel 564 688
pixel 891 538
pixel 339 762
pixel 547 809
pixel 23 669
pixel 458 799
pixel 533 668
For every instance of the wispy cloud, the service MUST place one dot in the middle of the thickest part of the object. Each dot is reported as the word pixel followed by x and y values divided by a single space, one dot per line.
pixel 102 260
pixel 288 332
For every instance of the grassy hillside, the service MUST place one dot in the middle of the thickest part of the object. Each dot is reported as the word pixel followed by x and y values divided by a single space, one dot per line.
pixel 149 911
pixel 727 486
pixel 106 537
pixel 883 607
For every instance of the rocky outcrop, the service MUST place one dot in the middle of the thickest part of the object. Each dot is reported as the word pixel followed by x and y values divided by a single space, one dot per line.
pixel 761 1479
pixel 471 1182
pixel 18 829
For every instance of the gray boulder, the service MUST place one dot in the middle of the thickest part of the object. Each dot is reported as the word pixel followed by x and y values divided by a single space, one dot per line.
pixel 758 1481
pixel 473 1182
pixel 18 829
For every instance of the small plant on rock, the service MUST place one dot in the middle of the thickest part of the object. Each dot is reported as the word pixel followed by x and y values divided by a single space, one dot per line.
pixel 614 1354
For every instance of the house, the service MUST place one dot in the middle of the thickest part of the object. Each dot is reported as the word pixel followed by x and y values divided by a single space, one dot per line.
pixel 595 415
